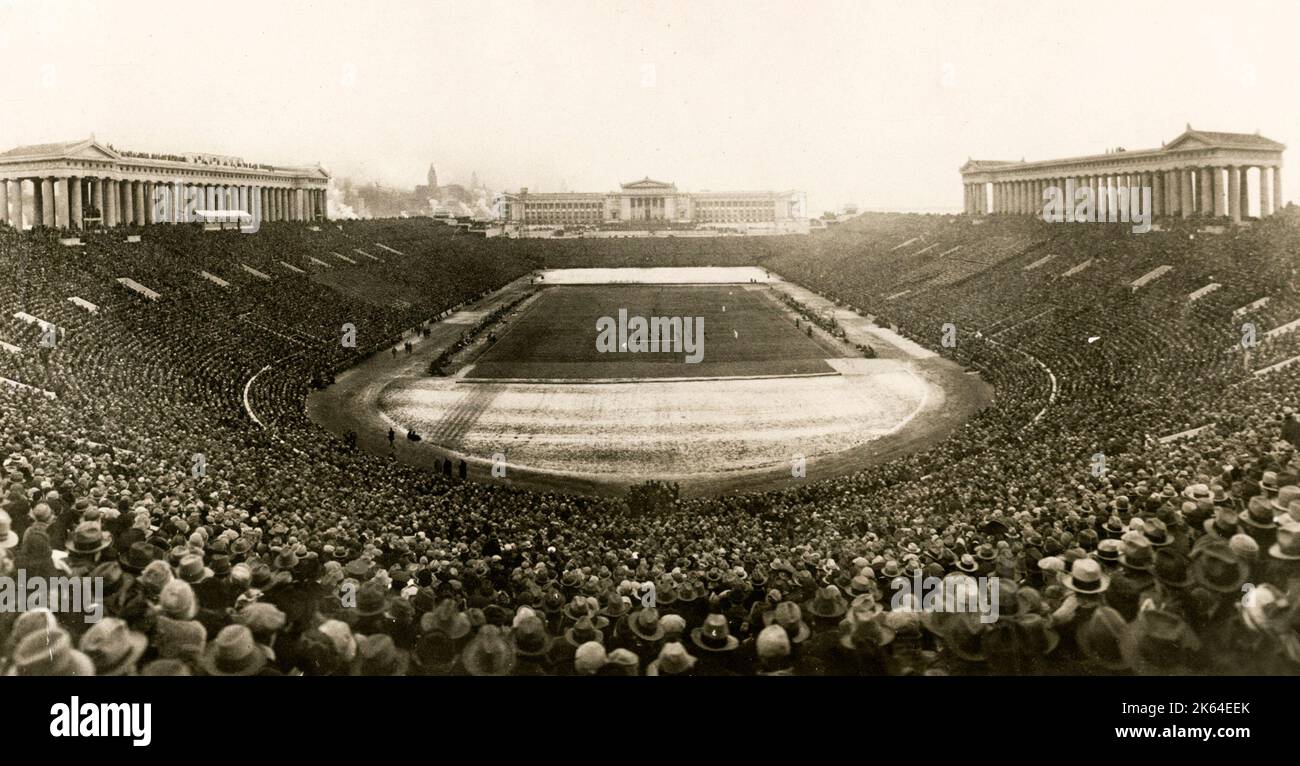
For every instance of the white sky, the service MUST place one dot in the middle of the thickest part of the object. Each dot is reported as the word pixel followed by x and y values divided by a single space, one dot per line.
pixel 876 103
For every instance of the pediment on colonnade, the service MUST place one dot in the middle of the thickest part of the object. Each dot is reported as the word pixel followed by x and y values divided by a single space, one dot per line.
pixel 88 149
pixel 1204 139
pixel 975 166
pixel 648 183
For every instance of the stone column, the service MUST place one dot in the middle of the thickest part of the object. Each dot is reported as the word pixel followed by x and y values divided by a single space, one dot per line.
pixel 75 209
pixel 62 205
pixel 97 199
pixel 1185 202
pixel 1234 193
pixel 4 201
pixel 1278 204
pixel 141 205
pixel 1245 192
pixel 1206 192
pixel 44 197
pixel 1265 193
pixel 1157 193
pixel 17 219
pixel 106 200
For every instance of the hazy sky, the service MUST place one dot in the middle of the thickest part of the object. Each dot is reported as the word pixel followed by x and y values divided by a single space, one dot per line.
pixel 876 103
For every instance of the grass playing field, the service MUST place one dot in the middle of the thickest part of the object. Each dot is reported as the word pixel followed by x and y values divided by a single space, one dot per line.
pixel 745 333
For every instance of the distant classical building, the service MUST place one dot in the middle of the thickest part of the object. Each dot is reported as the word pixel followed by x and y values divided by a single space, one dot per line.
pixel 67 184
pixel 651 202
pixel 1199 173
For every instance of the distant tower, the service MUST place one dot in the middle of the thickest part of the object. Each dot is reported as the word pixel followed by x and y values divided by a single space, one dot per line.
pixel 433 178
pixel 473 180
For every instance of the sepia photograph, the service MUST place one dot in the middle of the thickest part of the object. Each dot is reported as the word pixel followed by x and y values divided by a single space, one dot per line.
pixel 913 351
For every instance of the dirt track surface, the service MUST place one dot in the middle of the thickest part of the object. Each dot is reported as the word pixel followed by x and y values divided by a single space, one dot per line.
pixel 727 435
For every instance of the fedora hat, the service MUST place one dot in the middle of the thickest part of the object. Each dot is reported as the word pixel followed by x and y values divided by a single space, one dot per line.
pixel 1268 482
pixel 673 660
pixel 1258 513
pixel 828 604
pixel 233 653
pixel 1101 638
pixel 192 570
pixel 1159 643
pixel 445 619
pixel 176 600
pixel 49 652
pixel 584 630
pixel 1171 568
pixel 377 655
pixel 615 606
pixel 1157 533
pixel 1285 496
pixel 788 615
pixel 1215 567
pixel 1287 547
pixel 1136 552
pixel 644 624
pixel 490 653
pixel 964 636
pixel 1108 550
pixel 1086 577
pixel 89 539
pixel 139 556
pixel 531 638
pixel 867 634
pixel 714 635
pixel 220 565
pixel 1017 642
pixel 114 648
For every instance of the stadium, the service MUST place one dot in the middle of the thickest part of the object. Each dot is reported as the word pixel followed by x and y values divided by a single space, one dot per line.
pixel 968 442
pixel 103 427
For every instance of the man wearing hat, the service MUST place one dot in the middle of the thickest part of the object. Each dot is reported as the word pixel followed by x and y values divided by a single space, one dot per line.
pixel 88 545
pixel 716 647
pixel 1134 575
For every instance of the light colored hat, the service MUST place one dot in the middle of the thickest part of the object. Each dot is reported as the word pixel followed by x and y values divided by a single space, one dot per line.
pixel 177 600
pixel 673 659
pixel 773 642
pixel 589 658
pixel 8 538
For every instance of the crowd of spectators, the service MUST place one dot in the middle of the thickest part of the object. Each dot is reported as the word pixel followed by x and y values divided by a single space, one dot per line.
pixel 284 551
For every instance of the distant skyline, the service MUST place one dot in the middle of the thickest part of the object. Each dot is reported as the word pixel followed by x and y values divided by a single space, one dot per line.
pixel 871 103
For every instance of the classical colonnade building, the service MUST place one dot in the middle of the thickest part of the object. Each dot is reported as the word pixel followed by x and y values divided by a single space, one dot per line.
pixel 1200 173
pixel 651 202
pixel 81 184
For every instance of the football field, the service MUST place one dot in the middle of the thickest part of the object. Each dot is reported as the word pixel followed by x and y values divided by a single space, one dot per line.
pixel 744 333
pixel 766 404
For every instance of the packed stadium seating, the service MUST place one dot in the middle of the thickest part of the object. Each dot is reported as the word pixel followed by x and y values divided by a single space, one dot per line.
pixel 328 560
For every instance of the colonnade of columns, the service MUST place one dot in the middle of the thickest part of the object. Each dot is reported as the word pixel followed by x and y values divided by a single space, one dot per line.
pixel 68 202
pixel 1208 191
